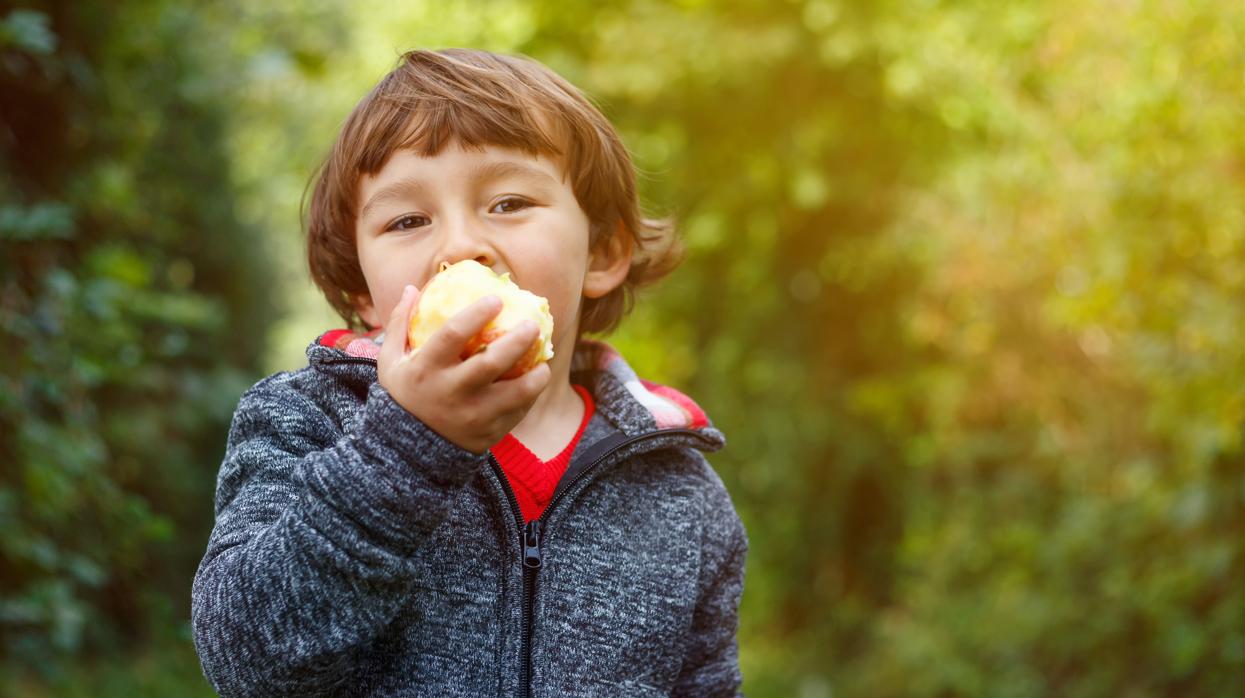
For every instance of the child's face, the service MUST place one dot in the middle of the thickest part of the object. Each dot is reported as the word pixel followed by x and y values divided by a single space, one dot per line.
pixel 506 209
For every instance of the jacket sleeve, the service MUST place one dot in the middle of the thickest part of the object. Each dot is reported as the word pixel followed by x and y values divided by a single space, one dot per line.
pixel 308 559
pixel 711 666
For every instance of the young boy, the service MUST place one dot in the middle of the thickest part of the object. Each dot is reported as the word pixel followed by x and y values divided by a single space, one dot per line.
pixel 394 523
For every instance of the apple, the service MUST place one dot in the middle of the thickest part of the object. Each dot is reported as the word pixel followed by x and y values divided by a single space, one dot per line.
pixel 457 286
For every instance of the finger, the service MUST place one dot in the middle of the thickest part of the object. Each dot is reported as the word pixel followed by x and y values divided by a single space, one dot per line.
pixel 502 354
pixel 394 346
pixel 445 346
pixel 519 393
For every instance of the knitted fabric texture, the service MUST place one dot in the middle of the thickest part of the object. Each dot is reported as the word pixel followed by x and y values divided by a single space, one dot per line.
pixel 357 552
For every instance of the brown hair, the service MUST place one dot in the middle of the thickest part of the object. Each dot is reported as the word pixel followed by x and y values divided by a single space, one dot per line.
pixel 478 98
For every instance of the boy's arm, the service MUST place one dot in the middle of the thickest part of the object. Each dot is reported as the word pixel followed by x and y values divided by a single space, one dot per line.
pixel 711 666
pixel 314 532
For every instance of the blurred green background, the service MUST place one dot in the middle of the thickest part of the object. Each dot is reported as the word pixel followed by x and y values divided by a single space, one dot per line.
pixel 964 290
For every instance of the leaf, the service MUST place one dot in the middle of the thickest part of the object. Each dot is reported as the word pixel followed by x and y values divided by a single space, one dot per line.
pixel 45 221
pixel 27 30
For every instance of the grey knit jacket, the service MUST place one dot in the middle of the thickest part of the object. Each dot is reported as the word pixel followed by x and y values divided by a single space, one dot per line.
pixel 357 552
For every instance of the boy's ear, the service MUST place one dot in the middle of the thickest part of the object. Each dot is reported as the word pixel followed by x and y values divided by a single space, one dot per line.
pixel 608 263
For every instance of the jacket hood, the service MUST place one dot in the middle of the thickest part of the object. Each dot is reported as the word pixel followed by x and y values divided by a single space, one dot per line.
pixel 636 406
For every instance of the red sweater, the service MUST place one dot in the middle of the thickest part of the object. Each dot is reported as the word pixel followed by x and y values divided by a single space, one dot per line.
pixel 532 479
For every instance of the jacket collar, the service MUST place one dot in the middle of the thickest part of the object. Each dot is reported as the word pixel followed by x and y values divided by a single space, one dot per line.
pixel 637 407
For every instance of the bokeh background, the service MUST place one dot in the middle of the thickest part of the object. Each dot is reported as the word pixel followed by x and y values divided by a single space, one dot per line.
pixel 964 290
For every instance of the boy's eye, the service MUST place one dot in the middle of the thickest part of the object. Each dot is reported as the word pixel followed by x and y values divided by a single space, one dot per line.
pixel 510 204
pixel 407 223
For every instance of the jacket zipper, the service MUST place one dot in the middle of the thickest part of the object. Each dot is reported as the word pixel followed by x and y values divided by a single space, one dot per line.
pixel 529 540
pixel 529 543
pixel 350 360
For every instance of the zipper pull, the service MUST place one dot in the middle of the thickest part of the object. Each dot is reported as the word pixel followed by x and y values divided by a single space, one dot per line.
pixel 531 545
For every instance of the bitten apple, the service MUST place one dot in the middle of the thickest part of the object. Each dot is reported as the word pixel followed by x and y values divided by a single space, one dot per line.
pixel 459 285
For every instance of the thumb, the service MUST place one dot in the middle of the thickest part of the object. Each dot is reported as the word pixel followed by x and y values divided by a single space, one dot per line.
pixel 394 346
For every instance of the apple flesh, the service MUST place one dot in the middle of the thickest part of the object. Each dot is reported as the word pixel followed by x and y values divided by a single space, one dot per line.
pixel 459 285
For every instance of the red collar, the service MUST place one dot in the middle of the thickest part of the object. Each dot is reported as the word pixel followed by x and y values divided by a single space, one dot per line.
pixel 532 479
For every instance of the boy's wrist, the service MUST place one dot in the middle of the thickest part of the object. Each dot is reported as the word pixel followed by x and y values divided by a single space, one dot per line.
pixel 390 432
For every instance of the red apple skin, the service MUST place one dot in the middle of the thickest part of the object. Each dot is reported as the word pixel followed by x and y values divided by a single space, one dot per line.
pixel 486 337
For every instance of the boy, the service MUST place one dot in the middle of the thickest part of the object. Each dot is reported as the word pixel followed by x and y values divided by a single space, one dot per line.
pixel 406 523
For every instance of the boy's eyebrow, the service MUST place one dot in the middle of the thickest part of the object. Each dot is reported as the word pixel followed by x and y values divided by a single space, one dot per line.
pixel 398 191
pixel 502 169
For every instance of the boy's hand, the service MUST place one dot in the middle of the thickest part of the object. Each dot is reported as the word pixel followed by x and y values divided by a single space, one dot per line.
pixel 460 399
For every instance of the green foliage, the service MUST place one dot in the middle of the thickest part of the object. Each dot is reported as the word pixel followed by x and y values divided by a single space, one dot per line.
pixel 967 302
pixel 131 304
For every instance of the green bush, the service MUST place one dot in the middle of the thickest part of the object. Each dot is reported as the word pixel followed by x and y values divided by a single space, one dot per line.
pixel 133 304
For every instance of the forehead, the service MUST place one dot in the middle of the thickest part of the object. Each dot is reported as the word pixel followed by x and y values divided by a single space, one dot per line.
pixel 428 129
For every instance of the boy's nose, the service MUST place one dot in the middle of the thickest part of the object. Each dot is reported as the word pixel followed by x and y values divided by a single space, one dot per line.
pixel 462 242
pixel 448 261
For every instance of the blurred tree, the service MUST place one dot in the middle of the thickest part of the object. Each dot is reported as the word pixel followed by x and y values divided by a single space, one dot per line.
pixel 132 304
